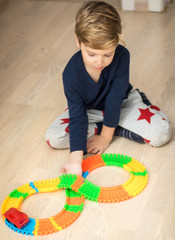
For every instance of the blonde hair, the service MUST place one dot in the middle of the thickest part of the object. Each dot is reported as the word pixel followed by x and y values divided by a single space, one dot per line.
pixel 98 25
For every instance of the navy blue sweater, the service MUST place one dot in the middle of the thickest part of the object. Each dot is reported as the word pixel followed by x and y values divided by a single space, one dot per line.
pixel 83 93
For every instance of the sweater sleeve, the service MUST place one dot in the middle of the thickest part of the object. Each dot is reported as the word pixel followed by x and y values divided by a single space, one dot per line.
pixel 78 125
pixel 117 92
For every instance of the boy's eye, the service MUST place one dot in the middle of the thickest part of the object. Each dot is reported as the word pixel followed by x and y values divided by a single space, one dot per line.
pixel 91 55
pixel 106 55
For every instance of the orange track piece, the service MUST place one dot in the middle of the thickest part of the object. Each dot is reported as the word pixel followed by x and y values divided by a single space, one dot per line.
pixel 92 163
pixel 113 194
pixel 77 184
pixel 65 219
pixel 45 227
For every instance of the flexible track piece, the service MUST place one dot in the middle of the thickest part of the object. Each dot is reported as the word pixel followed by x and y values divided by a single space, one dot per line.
pixel 76 189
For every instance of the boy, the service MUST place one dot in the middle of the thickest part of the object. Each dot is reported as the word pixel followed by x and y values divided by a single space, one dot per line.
pixel 100 101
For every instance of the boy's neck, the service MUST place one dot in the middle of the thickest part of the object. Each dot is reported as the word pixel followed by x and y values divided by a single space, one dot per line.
pixel 94 75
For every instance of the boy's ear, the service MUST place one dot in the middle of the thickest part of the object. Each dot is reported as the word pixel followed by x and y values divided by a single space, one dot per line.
pixel 77 42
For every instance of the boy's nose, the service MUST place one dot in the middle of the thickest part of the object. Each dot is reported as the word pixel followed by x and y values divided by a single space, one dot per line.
pixel 100 62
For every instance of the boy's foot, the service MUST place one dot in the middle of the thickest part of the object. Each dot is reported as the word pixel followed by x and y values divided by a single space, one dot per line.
pixel 122 132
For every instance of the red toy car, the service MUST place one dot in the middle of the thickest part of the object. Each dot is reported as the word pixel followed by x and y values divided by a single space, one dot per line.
pixel 18 218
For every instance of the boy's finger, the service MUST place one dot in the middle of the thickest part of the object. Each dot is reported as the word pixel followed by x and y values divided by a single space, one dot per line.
pixel 95 151
pixel 90 149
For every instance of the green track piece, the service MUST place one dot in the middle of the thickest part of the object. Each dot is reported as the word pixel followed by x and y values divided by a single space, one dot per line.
pixel 66 181
pixel 115 159
pixel 17 194
pixel 111 163
pixel 72 193
pixel 140 173
pixel 89 190
pixel 74 208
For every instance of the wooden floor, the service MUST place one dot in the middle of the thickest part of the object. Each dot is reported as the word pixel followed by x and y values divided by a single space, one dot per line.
pixel 36 41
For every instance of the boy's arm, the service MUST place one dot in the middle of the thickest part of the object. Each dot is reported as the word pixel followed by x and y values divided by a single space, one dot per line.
pixel 76 157
pixel 107 133
pixel 119 90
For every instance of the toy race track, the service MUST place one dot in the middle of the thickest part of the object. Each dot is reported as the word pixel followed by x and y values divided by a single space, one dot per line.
pixel 77 188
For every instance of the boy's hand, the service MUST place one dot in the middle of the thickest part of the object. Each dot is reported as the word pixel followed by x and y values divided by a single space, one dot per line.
pixel 73 168
pixel 97 144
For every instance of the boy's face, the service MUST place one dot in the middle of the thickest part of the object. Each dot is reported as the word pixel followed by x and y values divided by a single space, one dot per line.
pixel 96 60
